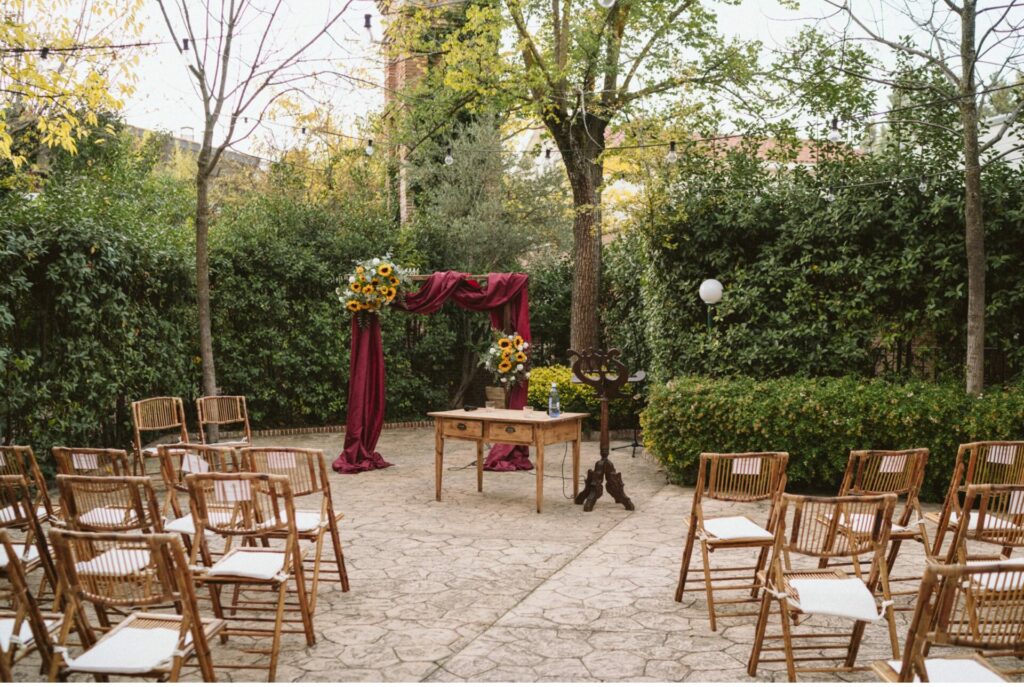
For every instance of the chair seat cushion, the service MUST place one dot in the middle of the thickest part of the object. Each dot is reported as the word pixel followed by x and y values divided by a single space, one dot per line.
pixel 8 514
pixel 231 442
pixel 29 556
pixel 104 516
pixel 185 524
pixel 953 670
pixel 1000 581
pixel 129 651
pixel 991 522
pixel 25 636
pixel 308 520
pixel 736 527
pixel 115 561
pixel 841 597
pixel 256 565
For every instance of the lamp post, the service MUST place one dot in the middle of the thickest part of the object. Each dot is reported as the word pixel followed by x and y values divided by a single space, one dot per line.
pixel 711 294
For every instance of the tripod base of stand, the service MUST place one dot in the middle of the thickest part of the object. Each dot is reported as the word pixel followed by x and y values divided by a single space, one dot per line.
pixel 604 471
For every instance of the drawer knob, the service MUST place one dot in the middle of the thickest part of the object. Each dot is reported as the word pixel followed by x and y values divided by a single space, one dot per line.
pixel 461 425
pixel 510 430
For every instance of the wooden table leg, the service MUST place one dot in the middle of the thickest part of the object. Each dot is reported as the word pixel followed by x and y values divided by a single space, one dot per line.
pixel 480 465
pixel 576 461
pixel 438 460
pixel 540 474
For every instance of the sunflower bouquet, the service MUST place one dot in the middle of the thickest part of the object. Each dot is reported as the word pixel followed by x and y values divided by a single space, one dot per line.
pixel 372 285
pixel 508 359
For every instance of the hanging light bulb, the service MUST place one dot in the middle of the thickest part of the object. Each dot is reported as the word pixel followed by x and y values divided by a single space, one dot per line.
pixel 834 135
pixel 923 186
pixel 44 53
pixel 369 148
pixel 366 21
pixel 303 131
pixel 607 4
pixel 184 44
pixel 448 159
pixel 671 155
pixel 547 153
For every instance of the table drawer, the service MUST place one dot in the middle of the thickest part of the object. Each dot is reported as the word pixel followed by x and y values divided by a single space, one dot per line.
pixel 470 429
pixel 510 432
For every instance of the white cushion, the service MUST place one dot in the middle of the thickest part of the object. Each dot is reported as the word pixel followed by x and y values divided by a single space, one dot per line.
pixel 115 561
pixel 307 520
pixel 991 522
pixel 19 550
pixel 129 651
pixel 257 565
pixel 843 598
pixel 953 670
pixel 25 636
pixel 185 525
pixel 737 527
pixel 1000 581
pixel 110 517
pixel 8 514
pixel 231 442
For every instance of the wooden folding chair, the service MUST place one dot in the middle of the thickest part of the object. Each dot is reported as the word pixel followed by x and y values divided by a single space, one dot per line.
pixel 94 462
pixel 737 478
pixel 158 414
pixel 109 504
pixel 21 460
pixel 219 411
pixel 23 627
pixel 995 518
pixel 807 530
pixel 978 606
pixel 132 573
pixel 245 508
pixel 17 512
pixel 980 462
pixel 306 470
pixel 179 460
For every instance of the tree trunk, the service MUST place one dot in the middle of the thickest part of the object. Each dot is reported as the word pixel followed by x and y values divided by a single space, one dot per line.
pixel 581 143
pixel 203 282
pixel 974 229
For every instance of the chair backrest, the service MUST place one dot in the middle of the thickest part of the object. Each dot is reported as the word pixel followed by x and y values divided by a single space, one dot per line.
pixel 21 460
pixel 833 527
pixel 180 460
pixel 241 505
pixel 17 511
pixel 887 472
pixel 992 514
pixel 978 606
pixel 741 477
pixel 109 504
pixel 96 462
pixel 158 414
pixel 222 410
pixel 23 603
pixel 306 469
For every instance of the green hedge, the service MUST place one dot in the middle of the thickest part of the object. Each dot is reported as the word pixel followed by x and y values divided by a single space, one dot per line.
pixel 579 398
pixel 819 421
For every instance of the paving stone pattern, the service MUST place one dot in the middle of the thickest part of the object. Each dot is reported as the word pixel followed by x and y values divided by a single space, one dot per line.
pixel 479 587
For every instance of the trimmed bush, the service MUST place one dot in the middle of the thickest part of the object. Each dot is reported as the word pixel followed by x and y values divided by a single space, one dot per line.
pixel 579 398
pixel 819 421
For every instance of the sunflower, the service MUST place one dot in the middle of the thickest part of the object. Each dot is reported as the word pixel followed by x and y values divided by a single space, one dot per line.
pixel 356 287
pixel 382 289
pixel 518 341
pixel 394 280
pixel 385 270
pixel 504 343
pixel 368 289
pixel 392 292
pixel 359 269
pixel 504 366
pixel 353 306
pixel 520 357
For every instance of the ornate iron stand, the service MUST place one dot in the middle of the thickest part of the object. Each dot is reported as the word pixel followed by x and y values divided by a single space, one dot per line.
pixel 607 375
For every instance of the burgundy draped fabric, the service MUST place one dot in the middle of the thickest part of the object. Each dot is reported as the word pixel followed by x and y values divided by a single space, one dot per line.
pixel 366 369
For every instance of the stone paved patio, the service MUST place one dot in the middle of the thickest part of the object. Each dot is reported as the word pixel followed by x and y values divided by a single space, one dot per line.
pixel 480 587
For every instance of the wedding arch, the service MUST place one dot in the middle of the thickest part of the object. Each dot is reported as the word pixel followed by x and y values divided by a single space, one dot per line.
pixel 502 295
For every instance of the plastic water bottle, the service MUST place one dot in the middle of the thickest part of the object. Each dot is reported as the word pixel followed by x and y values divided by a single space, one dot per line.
pixel 554 405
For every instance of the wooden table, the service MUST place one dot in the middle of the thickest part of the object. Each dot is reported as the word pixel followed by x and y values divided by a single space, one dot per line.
pixel 497 426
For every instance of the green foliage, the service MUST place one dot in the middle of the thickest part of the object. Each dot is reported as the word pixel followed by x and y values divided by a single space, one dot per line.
pixel 580 398
pixel 281 336
pixel 96 307
pixel 623 277
pixel 819 421
pixel 817 287
pixel 550 296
